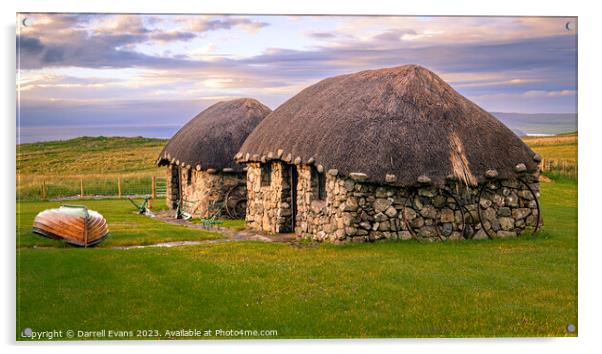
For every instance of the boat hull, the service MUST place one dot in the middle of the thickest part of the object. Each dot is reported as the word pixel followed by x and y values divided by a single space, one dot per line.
pixel 75 225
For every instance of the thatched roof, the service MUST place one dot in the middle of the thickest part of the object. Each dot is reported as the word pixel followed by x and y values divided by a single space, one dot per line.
pixel 397 125
pixel 211 139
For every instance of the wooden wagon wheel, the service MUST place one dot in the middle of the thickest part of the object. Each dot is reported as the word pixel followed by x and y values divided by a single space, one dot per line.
pixel 537 220
pixel 405 220
pixel 236 201
pixel 461 208
pixel 479 212
pixel 462 202
pixel 445 193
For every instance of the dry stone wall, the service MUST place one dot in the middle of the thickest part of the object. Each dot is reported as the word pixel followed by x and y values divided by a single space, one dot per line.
pixel 357 211
pixel 200 188
pixel 269 207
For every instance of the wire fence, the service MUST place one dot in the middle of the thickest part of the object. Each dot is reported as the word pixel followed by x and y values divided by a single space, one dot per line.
pixel 76 187
pixel 121 186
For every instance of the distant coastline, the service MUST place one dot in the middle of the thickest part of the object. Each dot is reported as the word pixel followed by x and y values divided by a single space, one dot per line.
pixel 539 124
pixel 41 134
pixel 539 134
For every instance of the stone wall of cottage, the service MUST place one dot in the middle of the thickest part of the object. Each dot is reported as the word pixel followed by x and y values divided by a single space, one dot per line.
pixel 268 206
pixel 360 212
pixel 200 188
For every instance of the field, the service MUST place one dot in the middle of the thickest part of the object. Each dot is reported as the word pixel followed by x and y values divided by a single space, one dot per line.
pixel 512 287
pixel 61 166
pixel 89 156
pixel 560 147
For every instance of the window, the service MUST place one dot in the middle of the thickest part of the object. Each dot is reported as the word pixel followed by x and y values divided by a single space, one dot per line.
pixel 318 184
pixel 266 174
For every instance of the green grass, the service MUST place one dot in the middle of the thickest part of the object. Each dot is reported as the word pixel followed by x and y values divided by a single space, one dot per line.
pixel 89 155
pixel 238 224
pixel 30 186
pixel 126 227
pixel 512 287
pixel 98 160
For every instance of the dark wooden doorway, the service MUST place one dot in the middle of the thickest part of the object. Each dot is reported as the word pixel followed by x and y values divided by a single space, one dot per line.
pixel 294 175
pixel 175 186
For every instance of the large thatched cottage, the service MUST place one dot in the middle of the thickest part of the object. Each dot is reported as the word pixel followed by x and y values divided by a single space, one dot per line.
pixel 199 157
pixel 389 153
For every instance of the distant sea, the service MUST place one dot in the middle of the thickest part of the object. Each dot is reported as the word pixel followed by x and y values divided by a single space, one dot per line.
pixel 35 134
pixel 540 124
pixel 535 134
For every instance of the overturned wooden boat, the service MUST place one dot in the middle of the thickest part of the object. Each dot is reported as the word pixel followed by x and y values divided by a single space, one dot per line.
pixel 75 224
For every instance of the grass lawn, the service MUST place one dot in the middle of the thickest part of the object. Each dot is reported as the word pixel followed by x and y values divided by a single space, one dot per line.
pixel 513 287
pixel 126 226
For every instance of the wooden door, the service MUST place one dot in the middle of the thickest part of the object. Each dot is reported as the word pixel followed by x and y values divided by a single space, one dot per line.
pixel 294 175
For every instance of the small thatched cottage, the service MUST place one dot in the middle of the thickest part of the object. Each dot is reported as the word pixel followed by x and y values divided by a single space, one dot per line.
pixel 389 153
pixel 199 157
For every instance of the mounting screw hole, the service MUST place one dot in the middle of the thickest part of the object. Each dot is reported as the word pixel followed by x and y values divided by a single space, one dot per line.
pixel 570 26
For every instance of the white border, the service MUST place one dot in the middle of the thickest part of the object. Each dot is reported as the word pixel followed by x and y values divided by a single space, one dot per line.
pixel 589 186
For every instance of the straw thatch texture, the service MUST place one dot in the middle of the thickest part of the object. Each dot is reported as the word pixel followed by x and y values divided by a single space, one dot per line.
pixel 213 137
pixel 403 121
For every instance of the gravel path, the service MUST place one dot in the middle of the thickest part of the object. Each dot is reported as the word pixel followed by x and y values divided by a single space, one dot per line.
pixel 230 234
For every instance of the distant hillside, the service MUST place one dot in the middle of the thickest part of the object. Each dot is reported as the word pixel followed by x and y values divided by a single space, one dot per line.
pixel 89 155
pixel 104 156
pixel 539 123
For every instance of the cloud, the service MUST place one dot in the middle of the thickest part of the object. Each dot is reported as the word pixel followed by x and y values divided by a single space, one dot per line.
pixel 106 68
pixel 473 69
pixel 543 93
pixel 528 102
pixel 111 40
pixel 425 31
pixel 172 36
pixel 321 35
pixel 27 46
pixel 204 24
pixel 395 35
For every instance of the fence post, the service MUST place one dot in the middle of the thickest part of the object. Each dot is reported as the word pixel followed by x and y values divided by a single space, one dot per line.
pixel 43 189
pixel 153 192
pixel 81 187
pixel 119 187
pixel 154 187
pixel 543 165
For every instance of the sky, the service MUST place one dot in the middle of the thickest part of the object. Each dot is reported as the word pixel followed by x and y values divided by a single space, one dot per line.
pixel 93 74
